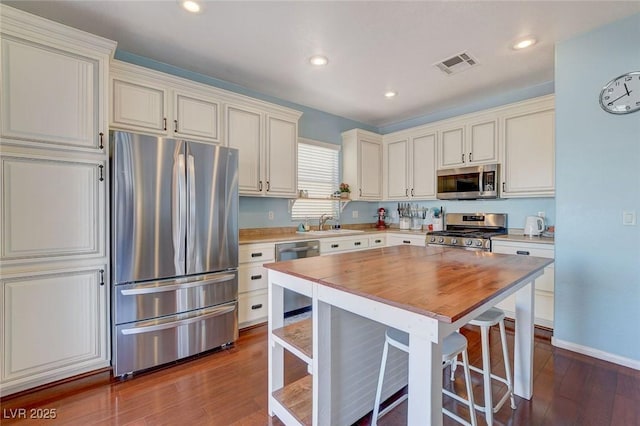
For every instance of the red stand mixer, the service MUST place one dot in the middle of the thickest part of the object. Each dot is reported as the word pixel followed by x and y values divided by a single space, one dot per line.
pixel 382 214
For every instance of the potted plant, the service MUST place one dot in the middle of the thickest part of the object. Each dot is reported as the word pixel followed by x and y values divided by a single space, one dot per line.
pixel 344 190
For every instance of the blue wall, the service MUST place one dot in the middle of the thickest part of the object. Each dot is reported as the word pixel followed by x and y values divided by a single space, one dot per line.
pixel 597 294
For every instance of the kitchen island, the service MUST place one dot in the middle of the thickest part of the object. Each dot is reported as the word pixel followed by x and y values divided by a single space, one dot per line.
pixel 427 292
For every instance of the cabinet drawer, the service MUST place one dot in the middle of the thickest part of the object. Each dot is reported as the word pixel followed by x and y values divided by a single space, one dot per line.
pixel 257 253
pixel 378 241
pixel 251 278
pixel 414 240
pixel 253 306
pixel 538 250
pixel 333 246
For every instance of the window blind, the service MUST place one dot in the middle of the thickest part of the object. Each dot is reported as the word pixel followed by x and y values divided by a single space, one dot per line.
pixel 318 175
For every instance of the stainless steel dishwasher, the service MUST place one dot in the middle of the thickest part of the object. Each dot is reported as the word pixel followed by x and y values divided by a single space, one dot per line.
pixel 295 303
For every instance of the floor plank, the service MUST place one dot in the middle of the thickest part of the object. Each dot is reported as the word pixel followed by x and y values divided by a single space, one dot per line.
pixel 229 387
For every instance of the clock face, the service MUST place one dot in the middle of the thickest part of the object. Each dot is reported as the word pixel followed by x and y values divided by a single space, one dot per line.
pixel 622 95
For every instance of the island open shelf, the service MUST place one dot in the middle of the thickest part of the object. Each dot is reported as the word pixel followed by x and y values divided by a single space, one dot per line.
pixel 297 401
pixel 297 338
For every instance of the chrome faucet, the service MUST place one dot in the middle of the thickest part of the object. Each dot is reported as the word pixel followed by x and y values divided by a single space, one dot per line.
pixel 323 220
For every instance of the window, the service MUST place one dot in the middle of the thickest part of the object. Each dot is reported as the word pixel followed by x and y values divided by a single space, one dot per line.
pixel 318 175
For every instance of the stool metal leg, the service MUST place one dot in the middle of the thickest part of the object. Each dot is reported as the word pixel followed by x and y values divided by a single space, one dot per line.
pixel 486 366
pixel 507 366
pixel 383 364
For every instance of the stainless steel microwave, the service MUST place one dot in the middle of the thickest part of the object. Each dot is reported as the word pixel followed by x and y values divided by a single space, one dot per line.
pixel 469 183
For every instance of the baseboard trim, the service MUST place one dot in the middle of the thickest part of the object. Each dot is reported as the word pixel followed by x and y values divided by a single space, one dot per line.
pixel 596 353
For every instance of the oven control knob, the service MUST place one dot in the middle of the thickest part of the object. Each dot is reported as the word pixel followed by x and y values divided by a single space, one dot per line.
pixel 454 241
pixel 432 240
pixel 441 240
pixel 468 242
pixel 479 243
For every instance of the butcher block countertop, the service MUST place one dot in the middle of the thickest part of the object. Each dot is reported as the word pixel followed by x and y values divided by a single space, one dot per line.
pixel 442 283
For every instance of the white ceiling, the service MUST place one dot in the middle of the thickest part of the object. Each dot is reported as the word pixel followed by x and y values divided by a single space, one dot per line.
pixel 372 46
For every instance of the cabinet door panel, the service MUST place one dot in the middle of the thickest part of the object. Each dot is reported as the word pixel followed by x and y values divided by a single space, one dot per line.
pixel 423 167
pixel 282 157
pixel 51 208
pixel 483 142
pixel 397 173
pixel 452 147
pixel 370 170
pixel 49 95
pixel 53 321
pixel 244 132
pixel 138 106
pixel 197 117
pixel 529 141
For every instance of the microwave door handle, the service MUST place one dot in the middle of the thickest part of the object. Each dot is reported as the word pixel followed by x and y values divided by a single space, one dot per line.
pixel 481 182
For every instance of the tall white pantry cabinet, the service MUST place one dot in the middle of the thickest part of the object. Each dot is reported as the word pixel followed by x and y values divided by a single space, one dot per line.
pixel 54 201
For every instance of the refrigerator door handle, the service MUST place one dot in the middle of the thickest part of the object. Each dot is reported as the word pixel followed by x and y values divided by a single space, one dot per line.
pixel 178 218
pixel 221 310
pixel 191 221
pixel 172 287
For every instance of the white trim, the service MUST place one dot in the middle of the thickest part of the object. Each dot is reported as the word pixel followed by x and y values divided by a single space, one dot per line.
pixel 327 145
pixel 596 353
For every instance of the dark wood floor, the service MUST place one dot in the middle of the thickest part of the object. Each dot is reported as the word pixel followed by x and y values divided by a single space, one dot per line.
pixel 229 387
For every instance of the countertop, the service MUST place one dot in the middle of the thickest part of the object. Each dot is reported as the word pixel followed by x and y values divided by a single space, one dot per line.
pixel 443 283
pixel 289 234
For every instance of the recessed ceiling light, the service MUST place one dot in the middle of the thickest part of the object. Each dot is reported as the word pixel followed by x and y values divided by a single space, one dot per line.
pixel 524 43
pixel 390 94
pixel 191 6
pixel 318 60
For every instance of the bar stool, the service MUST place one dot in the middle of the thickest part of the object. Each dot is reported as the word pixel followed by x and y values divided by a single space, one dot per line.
pixel 485 321
pixel 453 345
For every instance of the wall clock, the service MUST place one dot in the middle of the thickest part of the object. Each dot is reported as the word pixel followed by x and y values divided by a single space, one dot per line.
pixel 622 94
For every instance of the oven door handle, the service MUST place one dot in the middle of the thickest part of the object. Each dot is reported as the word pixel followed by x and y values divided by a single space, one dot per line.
pixel 221 310
pixel 160 289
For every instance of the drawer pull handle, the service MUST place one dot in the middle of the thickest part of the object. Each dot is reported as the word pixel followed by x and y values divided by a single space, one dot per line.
pixel 406 242
pixel 256 254
pixel 335 245
pixel 357 243
pixel 256 277
pixel 258 306
pixel 523 252
pixel 378 241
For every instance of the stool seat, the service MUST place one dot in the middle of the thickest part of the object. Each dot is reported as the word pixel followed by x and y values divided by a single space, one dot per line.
pixel 453 345
pixel 488 318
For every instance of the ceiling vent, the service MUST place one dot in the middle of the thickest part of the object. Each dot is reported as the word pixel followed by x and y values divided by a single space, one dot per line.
pixel 457 63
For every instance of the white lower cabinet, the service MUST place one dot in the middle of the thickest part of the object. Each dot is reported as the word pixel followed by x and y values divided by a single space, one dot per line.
pixel 54 325
pixel 343 244
pixel 544 294
pixel 406 239
pixel 252 283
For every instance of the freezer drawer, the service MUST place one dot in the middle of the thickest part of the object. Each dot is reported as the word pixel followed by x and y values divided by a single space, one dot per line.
pixel 140 301
pixel 151 343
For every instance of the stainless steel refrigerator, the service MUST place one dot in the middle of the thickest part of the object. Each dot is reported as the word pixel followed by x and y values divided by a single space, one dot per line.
pixel 174 224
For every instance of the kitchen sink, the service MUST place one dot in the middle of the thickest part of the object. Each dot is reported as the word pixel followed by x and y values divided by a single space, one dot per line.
pixel 334 232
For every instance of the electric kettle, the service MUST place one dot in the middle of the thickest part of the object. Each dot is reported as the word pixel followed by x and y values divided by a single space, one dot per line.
pixel 533 226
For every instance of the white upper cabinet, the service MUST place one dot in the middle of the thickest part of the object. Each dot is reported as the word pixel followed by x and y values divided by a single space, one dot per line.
pixel 138 105
pixel 529 150
pixel 410 170
pixel 267 143
pixel 152 102
pixel 362 164
pixel 469 142
pixel 52 91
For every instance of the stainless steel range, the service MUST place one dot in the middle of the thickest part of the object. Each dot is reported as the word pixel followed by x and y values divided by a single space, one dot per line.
pixel 471 231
